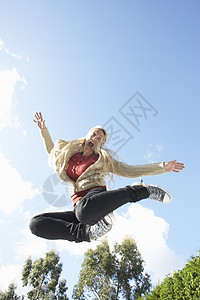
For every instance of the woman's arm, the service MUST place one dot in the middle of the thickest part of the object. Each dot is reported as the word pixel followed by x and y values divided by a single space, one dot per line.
pixel 133 171
pixel 44 132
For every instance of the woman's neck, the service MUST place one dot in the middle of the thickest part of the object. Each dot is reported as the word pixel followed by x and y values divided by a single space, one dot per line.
pixel 87 152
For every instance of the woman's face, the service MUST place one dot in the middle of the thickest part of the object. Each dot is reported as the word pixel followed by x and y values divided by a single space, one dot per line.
pixel 93 139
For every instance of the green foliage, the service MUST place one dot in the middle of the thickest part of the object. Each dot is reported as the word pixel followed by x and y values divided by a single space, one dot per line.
pixel 183 285
pixel 10 294
pixel 43 276
pixel 107 274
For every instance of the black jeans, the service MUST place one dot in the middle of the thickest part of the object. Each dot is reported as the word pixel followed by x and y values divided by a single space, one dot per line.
pixel 75 225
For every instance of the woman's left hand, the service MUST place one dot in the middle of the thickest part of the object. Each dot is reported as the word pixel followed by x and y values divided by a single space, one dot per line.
pixel 173 166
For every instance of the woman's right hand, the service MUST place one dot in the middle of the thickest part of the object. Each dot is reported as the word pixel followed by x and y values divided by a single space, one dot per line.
pixel 39 120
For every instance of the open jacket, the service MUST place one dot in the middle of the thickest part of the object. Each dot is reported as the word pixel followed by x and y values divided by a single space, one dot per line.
pixel 96 173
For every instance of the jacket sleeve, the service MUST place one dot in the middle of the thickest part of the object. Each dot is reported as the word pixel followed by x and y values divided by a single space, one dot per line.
pixel 48 143
pixel 133 171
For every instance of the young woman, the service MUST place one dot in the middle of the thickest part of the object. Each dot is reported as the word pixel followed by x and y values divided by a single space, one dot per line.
pixel 85 164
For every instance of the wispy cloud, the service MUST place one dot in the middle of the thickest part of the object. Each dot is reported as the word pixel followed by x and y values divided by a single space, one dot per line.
pixel 153 152
pixel 4 48
pixel 31 245
pixel 10 78
pixel 8 81
pixel 1 44
pixel 14 190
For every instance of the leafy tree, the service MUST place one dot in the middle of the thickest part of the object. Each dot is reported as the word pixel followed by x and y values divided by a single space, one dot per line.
pixel 107 274
pixel 10 294
pixel 183 285
pixel 43 276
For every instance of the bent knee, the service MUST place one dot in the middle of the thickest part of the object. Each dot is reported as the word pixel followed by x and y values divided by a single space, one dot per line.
pixel 83 215
pixel 34 225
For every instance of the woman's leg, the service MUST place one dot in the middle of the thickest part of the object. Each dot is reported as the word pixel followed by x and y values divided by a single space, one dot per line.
pixel 98 202
pixel 59 225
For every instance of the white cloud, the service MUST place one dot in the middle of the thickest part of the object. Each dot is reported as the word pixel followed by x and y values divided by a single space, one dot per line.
pixel 13 54
pixel 12 274
pixel 153 152
pixel 9 274
pixel 8 80
pixel 14 190
pixel 2 221
pixel 1 44
pixel 8 51
pixel 159 147
pixel 77 249
pixel 31 246
pixel 150 233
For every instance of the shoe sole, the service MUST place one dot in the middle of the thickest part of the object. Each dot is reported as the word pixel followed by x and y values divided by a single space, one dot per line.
pixel 111 219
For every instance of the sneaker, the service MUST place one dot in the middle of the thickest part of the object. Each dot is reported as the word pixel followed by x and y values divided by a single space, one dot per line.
pixel 156 192
pixel 102 227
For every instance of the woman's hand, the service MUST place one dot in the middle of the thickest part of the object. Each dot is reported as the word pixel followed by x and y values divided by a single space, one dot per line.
pixel 173 166
pixel 39 120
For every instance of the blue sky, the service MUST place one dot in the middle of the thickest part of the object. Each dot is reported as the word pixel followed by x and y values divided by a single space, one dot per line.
pixel 79 62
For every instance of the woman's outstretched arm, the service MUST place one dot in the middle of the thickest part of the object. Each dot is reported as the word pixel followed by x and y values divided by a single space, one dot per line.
pixel 39 120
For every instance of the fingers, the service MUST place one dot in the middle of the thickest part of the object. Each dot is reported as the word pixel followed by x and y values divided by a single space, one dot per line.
pixel 41 116
pixel 179 164
pixel 39 120
pixel 38 116
pixel 178 167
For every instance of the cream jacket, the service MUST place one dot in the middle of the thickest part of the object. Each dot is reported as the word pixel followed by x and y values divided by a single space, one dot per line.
pixel 96 173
